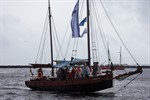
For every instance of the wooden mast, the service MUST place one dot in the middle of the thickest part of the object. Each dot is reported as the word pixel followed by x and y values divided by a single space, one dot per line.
pixel 120 56
pixel 88 34
pixel 109 60
pixel 51 41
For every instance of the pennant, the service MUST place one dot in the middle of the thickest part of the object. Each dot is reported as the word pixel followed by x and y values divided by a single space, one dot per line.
pixel 75 21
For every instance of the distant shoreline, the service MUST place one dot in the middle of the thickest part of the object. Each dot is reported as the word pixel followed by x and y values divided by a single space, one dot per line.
pixel 28 66
pixel 15 66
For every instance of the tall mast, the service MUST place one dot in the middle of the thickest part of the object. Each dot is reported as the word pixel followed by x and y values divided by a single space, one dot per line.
pixel 120 56
pixel 88 34
pixel 51 41
pixel 109 60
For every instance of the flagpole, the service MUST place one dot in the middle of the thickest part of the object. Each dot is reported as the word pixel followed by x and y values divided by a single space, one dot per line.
pixel 88 34
pixel 51 41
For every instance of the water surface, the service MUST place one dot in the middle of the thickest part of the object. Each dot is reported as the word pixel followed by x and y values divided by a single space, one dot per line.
pixel 12 87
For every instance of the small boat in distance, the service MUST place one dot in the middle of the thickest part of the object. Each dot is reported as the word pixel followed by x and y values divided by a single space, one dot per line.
pixel 115 67
pixel 68 80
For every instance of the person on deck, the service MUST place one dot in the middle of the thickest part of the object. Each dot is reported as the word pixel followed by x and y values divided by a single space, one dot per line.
pixel 95 68
pixel 59 73
pixel 73 72
pixel 63 74
pixel 40 73
pixel 78 72
pixel 85 71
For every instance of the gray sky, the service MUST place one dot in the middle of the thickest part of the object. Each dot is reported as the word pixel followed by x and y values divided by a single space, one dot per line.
pixel 21 25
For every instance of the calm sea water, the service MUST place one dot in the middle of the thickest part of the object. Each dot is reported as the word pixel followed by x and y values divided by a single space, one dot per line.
pixel 12 87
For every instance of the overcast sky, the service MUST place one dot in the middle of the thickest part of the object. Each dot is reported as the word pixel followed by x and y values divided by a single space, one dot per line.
pixel 21 24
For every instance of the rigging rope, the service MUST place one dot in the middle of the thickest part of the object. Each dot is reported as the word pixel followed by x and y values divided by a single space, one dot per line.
pixel 54 38
pixel 104 41
pixel 128 83
pixel 100 27
pixel 118 33
pixel 74 50
pixel 45 25
pixel 43 45
pixel 67 46
pixel 57 40
pixel 93 37
pixel 76 41
pixel 76 47
pixel 63 41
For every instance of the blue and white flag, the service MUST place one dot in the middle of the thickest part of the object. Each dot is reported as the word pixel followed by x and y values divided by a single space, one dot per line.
pixel 82 22
pixel 75 21
pixel 84 32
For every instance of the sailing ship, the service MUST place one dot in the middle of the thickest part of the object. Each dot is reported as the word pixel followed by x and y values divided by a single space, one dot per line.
pixel 65 83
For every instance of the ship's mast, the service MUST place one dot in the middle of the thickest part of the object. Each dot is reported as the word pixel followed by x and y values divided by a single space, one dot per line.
pixel 51 41
pixel 120 56
pixel 109 60
pixel 88 34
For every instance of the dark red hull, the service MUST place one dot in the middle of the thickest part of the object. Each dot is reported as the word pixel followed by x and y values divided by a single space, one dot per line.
pixel 90 84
